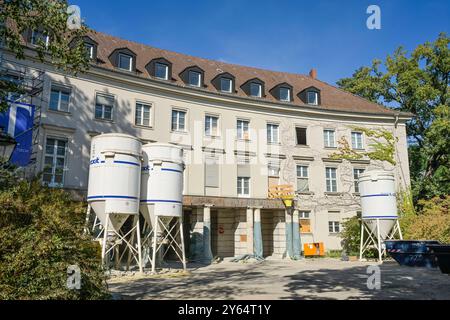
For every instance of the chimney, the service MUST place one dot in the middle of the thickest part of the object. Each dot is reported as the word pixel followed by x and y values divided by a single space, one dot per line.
pixel 313 73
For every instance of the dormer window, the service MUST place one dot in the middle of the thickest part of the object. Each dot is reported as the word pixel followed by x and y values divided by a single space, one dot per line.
pixel 255 89
pixel 285 94
pixel 161 71
pixel 89 50
pixel 226 85
pixel 195 78
pixel 313 98
pixel 38 37
pixel 125 62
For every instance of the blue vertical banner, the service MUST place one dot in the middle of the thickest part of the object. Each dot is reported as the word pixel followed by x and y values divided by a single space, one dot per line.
pixel 17 121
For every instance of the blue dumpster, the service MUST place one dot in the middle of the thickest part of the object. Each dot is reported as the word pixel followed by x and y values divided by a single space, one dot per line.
pixel 442 253
pixel 413 253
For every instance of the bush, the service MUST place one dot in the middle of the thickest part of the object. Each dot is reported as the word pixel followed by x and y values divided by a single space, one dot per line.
pixel 431 223
pixel 351 238
pixel 40 236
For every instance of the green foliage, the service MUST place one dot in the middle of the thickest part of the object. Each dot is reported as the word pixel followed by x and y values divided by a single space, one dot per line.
pixel 416 83
pixel 40 236
pixel 431 223
pixel 382 144
pixel 65 50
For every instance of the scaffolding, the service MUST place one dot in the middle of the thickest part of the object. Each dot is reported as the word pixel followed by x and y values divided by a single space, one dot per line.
pixel 30 82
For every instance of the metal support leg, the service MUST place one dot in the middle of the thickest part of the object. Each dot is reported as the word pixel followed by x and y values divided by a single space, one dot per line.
pixel 138 236
pixel 362 240
pixel 105 235
pixel 88 215
pixel 399 230
pixel 182 243
pixel 155 235
pixel 380 258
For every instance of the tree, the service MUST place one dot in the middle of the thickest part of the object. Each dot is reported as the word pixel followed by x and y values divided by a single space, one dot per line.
pixel 416 83
pixel 65 49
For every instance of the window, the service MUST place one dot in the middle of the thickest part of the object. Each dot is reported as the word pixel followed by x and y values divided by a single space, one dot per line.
pixel 54 162
pixel 301 136
pixel 305 221
pixel 302 179
pixel 243 177
pixel 59 99
pixel 211 173
pixel 89 50
pixel 272 133
pixel 178 120
pixel 273 173
pixel 331 180
pixel 356 174
pixel 142 116
pixel 243 186
pixel 211 126
pixel 104 106
pixel 255 89
pixel 38 37
pixel 161 71
pixel 285 94
pixel 242 129
pixel 357 140
pixel 195 78
pixel 334 227
pixel 225 85
pixel 125 62
pixel 328 138
pixel 313 98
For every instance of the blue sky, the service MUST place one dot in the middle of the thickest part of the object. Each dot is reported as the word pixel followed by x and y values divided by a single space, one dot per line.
pixel 281 35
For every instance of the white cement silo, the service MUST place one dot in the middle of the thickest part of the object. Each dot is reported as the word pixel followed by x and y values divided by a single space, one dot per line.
pixel 114 183
pixel 161 199
pixel 378 206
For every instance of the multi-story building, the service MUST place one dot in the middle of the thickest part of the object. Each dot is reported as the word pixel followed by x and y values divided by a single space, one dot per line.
pixel 243 129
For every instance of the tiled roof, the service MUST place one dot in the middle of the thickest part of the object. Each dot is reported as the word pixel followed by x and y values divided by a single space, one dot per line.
pixel 332 98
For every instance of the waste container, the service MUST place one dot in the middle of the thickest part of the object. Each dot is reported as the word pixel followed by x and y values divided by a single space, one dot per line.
pixel 442 254
pixel 313 249
pixel 413 253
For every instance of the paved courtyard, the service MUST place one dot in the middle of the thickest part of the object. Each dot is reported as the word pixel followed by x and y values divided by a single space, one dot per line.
pixel 277 279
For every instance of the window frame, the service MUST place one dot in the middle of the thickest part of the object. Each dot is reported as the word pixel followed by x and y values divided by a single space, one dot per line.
pixel 302 176
pixel 142 112
pixel 60 90
pixel 177 129
pixel 252 84
pixel 329 180
pixel 119 55
pixel 316 96
pixel 332 224
pixel 355 146
pixel 243 131
pixel 306 136
pixel 159 64
pixel 91 49
pixel 356 177
pixel 272 125
pixel 327 138
pixel 199 84
pixel 211 117
pixel 102 118
pixel 242 186
pixel 230 81
pixel 288 94
pixel 302 217
pixel 55 157
pixel 47 38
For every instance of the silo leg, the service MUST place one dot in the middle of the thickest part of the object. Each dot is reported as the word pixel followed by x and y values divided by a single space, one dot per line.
pixel 155 234
pixel 362 241
pixel 379 241
pixel 88 215
pixel 105 235
pixel 182 243
pixel 138 236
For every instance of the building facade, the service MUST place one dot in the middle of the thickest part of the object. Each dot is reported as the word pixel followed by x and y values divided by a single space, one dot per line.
pixel 243 130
